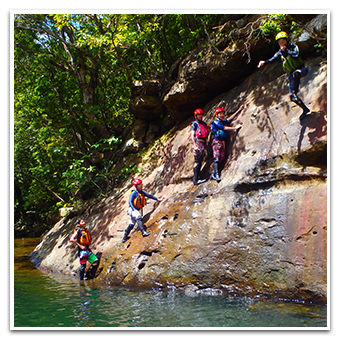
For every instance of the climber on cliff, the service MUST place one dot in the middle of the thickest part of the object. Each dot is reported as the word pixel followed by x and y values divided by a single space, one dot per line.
pixel 136 203
pixel 199 135
pixel 220 131
pixel 81 237
pixel 293 65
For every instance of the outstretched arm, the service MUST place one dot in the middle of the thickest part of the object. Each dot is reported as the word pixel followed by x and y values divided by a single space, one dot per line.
pixel 232 128
pixel 265 62
pixel 236 113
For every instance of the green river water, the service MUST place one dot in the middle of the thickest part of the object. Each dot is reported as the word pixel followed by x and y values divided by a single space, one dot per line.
pixel 45 300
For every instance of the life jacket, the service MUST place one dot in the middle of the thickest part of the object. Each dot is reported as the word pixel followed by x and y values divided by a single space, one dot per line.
pixel 201 131
pixel 290 64
pixel 139 202
pixel 84 237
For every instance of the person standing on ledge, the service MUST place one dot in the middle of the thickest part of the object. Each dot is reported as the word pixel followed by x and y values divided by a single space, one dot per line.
pixel 220 131
pixel 81 237
pixel 136 203
pixel 293 65
pixel 199 134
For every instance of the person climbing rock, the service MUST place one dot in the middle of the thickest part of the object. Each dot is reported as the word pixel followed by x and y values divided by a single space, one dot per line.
pixel 82 238
pixel 293 65
pixel 220 131
pixel 136 203
pixel 199 134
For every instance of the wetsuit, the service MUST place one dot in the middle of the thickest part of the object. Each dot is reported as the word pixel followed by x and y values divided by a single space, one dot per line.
pixel 220 136
pixel 201 127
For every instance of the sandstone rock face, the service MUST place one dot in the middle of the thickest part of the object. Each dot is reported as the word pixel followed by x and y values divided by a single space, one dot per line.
pixel 261 230
pixel 203 74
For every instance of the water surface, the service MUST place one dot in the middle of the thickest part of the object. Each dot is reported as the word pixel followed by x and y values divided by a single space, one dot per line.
pixel 46 300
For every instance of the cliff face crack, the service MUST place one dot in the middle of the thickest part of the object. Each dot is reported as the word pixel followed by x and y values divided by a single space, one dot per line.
pixel 149 253
pixel 267 180
pixel 144 257
pixel 305 234
pixel 247 187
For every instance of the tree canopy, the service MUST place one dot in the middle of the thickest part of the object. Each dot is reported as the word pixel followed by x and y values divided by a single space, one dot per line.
pixel 72 81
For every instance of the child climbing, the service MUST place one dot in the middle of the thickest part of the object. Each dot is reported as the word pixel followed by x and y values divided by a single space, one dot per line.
pixel 220 131
pixel 136 203
pixel 293 65
pixel 81 237
pixel 199 135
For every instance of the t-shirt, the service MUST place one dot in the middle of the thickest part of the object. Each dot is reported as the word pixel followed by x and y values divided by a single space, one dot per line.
pixel 217 129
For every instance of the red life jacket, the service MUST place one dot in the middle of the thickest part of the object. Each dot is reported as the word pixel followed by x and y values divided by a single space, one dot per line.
pixel 201 131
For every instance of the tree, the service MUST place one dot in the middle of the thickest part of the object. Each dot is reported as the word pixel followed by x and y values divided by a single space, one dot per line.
pixel 73 74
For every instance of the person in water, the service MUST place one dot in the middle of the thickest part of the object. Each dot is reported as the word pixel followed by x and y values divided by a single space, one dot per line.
pixel 220 131
pixel 199 135
pixel 82 238
pixel 136 203
pixel 293 65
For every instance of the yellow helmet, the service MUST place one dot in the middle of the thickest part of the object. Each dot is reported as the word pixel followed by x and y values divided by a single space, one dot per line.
pixel 281 35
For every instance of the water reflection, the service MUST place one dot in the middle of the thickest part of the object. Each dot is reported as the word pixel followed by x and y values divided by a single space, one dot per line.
pixel 42 300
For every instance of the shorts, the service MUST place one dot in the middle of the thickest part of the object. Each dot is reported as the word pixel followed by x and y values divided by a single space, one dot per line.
pixel 201 152
pixel 86 255
pixel 218 148
pixel 83 255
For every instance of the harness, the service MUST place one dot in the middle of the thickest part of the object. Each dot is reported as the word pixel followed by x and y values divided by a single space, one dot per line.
pixel 139 202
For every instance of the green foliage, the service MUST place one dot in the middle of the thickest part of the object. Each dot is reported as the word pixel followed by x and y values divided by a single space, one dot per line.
pixel 72 79
pixel 274 24
pixel 279 22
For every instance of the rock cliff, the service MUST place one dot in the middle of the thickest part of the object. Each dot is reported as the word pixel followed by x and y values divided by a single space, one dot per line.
pixel 261 230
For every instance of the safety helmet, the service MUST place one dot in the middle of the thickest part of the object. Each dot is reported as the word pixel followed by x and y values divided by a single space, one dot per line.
pixel 198 112
pixel 219 109
pixel 281 35
pixel 136 181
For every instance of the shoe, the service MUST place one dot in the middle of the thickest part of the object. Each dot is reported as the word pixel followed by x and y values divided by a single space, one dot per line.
pixel 304 114
pixel 126 237
pixel 141 228
pixel 197 181
pixel 214 175
pixel 294 98
pixel 200 181
pixel 126 233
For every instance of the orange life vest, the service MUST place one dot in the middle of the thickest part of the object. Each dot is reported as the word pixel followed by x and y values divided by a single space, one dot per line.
pixel 84 237
pixel 139 202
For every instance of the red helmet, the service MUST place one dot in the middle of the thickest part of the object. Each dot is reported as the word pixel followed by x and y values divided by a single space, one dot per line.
pixel 136 181
pixel 198 112
pixel 219 109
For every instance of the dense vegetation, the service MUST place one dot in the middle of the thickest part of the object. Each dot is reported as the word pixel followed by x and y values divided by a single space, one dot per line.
pixel 73 77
